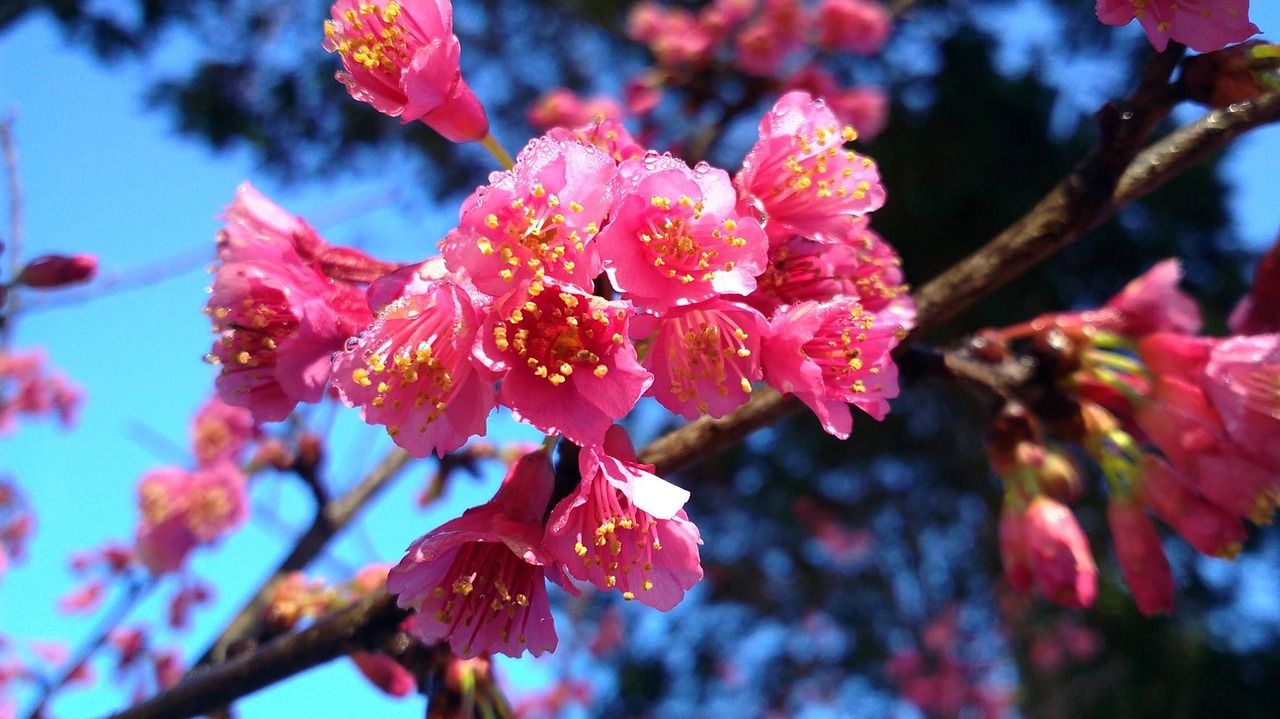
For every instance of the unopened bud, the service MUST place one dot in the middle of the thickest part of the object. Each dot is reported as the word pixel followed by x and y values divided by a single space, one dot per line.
pixel 50 271
pixel 1058 351
pixel 310 450
pixel 1058 477
pixel 1142 559
pixel 272 453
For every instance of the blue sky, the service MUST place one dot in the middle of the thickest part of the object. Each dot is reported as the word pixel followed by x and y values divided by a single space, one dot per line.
pixel 103 174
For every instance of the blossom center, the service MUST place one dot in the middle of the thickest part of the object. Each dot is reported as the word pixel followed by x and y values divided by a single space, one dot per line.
pixel 483 588
pixel 555 332
pixel 532 224
pixel 622 539
pixel 672 240
pixel 371 35
pixel 418 370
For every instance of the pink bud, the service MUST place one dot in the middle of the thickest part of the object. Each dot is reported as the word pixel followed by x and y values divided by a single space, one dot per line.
pixel 49 271
pixel 1259 311
pixel 1013 543
pixel 385 673
pixel 1059 554
pixel 1142 560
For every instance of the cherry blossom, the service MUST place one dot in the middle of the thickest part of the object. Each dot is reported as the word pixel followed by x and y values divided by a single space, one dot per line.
pixel 478 581
pixel 1202 25
pixel 402 58
pixel 625 529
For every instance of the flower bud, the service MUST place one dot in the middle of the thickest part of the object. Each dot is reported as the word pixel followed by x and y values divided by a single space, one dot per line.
pixel 1142 560
pixel 1013 543
pixel 1059 554
pixel 1059 477
pixel 385 673
pixel 50 271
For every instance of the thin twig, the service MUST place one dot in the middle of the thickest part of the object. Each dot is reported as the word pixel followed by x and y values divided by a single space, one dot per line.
pixel 1188 145
pixel 362 625
pixel 136 590
pixel 14 244
pixel 328 523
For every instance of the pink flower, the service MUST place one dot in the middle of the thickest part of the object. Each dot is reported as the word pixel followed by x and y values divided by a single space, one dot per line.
pixel 402 58
pixel 537 219
pixel 259 230
pixel 1208 528
pixel 1259 311
pixel 1151 303
pixel 182 509
pixel 642 93
pixel 608 134
pixel 1058 553
pixel 1202 25
pixel 1014 555
pixel 862 265
pixel 831 355
pixel 1242 380
pixel 220 432
pixel 675 235
pixel 27 387
pixel 624 528
pixel 412 370
pixel 84 599
pixel 278 316
pixel 1218 429
pixel 478 581
pixel 855 26
pixel 866 109
pixel 704 357
pixel 761 47
pixel 1142 560
pixel 800 173
pixel 674 36
pixel 566 362
pixel 562 107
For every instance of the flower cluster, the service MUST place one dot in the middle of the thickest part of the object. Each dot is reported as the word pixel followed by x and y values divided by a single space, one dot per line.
pixel 28 388
pixel 184 508
pixel 586 276
pixel 1183 426
pixel 782 41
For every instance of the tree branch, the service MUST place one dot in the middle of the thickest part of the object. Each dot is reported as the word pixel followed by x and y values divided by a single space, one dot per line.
pixel 330 520
pixel 362 625
pixel 1186 146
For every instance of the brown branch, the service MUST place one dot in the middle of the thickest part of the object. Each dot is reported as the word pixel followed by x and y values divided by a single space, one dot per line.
pixel 335 516
pixel 1069 209
pixel 363 625
pixel 1188 145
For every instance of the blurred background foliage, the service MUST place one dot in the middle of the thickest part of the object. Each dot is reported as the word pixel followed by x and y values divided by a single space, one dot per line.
pixel 841 576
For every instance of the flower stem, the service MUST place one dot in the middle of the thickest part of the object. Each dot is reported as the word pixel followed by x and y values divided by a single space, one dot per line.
pixel 491 144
